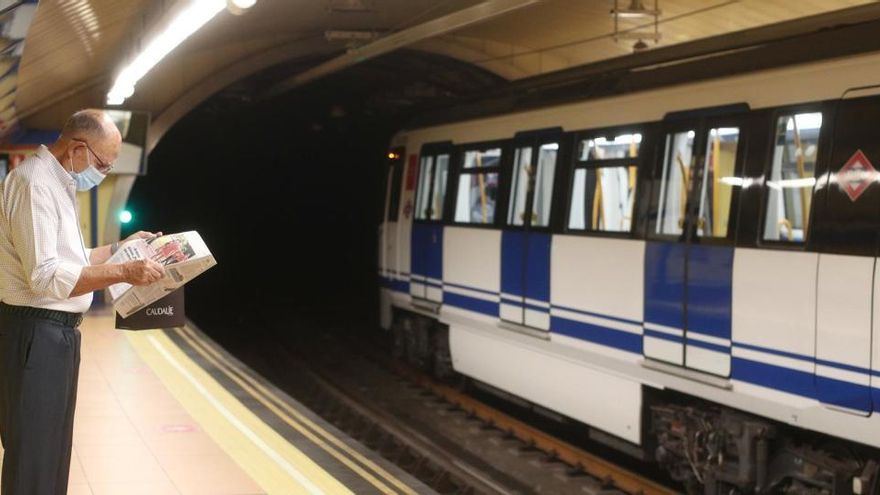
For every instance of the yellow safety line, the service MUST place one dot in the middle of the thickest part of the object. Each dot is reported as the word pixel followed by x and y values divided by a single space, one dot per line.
pixel 276 465
pixel 202 348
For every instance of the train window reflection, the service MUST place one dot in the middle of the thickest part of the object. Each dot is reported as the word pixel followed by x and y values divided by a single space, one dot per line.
pixel 716 190
pixel 424 192
pixel 478 186
pixel 792 177
pixel 674 182
pixel 602 148
pixel 441 171
pixel 603 199
pixel 522 169
pixel 482 158
pixel 477 194
pixel 543 188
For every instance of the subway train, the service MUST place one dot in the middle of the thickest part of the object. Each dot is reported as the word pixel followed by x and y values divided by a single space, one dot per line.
pixel 690 271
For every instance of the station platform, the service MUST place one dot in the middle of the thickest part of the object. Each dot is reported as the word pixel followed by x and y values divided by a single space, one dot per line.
pixel 170 412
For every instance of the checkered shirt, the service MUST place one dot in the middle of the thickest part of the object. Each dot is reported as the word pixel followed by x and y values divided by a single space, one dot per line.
pixel 41 246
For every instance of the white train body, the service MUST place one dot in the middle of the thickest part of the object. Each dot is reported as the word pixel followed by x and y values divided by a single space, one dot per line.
pixel 725 276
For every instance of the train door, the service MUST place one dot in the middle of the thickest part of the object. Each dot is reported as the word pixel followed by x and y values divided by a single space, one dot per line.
pixel 426 270
pixel 849 222
pixel 525 241
pixel 689 254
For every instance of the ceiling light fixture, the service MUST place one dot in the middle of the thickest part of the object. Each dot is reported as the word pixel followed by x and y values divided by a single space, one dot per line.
pixel 636 9
pixel 633 13
pixel 187 20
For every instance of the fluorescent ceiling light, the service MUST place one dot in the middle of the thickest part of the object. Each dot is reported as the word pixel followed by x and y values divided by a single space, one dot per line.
pixel 186 22
pixel 732 181
pixel 806 182
pixel 621 139
pixel 724 131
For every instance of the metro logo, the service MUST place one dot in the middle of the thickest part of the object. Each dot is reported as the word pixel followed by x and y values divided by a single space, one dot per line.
pixel 856 175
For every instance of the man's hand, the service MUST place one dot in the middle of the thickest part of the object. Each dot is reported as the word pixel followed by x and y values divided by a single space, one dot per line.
pixel 142 272
pixel 142 234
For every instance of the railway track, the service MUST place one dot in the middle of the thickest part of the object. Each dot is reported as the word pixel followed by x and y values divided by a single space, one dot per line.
pixel 449 440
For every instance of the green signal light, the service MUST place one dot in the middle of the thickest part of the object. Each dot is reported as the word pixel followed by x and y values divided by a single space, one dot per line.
pixel 125 216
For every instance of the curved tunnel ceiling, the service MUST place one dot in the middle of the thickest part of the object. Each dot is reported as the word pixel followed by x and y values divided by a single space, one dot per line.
pixel 74 47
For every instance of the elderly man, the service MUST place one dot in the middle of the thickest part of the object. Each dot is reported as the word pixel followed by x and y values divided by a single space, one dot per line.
pixel 47 277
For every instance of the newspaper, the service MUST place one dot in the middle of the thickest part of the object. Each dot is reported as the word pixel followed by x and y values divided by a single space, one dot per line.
pixel 184 255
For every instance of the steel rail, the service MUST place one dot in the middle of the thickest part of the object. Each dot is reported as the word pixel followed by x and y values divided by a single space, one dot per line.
pixel 594 466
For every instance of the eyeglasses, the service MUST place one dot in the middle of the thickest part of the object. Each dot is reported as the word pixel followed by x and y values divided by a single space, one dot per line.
pixel 102 167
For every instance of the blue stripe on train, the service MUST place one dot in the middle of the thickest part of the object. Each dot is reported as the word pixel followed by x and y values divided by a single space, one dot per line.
pixel 471 303
pixel 540 309
pixel 844 394
pixel 481 291
pixel 775 377
pixel 394 284
pixel 809 359
pixel 678 339
pixel 804 384
pixel 598 315
pixel 597 334
pixel 512 302
pixel 708 345
pixel 690 341
pixel 399 285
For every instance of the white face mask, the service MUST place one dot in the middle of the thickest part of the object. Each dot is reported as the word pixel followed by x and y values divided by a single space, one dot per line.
pixel 88 178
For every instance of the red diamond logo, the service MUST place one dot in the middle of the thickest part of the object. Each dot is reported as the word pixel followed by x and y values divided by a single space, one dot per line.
pixel 856 175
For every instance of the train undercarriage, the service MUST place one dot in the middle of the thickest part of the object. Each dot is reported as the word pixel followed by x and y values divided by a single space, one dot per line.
pixel 710 449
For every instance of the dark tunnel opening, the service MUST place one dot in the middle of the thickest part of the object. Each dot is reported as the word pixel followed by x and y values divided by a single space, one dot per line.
pixel 287 192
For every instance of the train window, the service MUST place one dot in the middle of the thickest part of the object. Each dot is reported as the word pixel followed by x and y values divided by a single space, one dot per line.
pixel 395 178
pixel 543 189
pixel 478 186
pixel 476 198
pixel 441 172
pixel 535 180
pixel 674 182
pixel 424 192
pixel 522 164
pixel 603 189
pixel 719 179
pixel 792 177
pixel 603 199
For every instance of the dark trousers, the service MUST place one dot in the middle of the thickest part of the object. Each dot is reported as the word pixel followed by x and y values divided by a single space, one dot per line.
pixel 39 368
